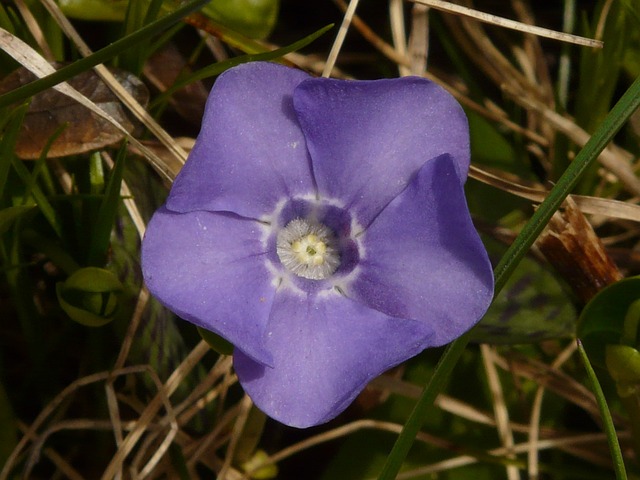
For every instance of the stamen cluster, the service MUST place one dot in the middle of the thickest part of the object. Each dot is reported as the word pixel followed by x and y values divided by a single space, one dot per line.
pixel 308 249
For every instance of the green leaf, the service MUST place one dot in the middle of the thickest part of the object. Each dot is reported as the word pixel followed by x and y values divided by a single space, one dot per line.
pixel 112 10
pixel 533 306
pixel 253 18
pixel 610 324
pixel 623 364
pixel 489 147
pixel 11 214
pixel 90 296
pixel 602 320
pixel 259 468
pixel 216 342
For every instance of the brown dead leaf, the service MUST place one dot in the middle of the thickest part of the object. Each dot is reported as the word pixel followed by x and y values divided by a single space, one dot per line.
pixel 166 66
pixel 85 130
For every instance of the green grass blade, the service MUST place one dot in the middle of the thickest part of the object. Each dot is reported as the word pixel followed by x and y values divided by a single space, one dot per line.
pixel 138 15
pixel 100 56
pixel 101 232
pixel 5 20
pixel 603 135
pixel 9 215
pixel 8 143
pixel 153 11
pixel 408 434
pixel 51 249
pixel 131 59
pixel 607 421
pixel 38 196
pixel 40 164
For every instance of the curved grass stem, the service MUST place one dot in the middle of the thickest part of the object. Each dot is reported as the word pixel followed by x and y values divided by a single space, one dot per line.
pixel 617 117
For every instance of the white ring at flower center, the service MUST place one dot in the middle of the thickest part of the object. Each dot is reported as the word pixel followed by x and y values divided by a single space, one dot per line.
pixel 308 249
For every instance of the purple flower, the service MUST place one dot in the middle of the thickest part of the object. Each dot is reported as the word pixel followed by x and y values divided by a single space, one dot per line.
pixel 321 227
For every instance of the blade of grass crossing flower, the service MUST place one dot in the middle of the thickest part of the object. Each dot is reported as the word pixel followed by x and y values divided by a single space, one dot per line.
pixel 620 113
pixel 607 421
pixel 218 68
pixel 100 56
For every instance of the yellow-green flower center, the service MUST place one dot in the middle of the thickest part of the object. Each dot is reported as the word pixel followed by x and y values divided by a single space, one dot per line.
pixel 308 249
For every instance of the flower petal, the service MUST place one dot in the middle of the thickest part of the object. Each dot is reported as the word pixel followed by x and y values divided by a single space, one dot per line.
pixel 367 139
pixel 250 152
pixel 423 258
pixel 209 268
pixel 325 350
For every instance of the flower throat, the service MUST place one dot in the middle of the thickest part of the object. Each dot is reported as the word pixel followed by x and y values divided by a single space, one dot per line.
pixel 308 249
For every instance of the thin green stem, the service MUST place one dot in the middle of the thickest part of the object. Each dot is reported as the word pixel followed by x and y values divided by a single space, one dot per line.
pixel 603 135
pixel 564 69
pixel 609 428
pixel 632 406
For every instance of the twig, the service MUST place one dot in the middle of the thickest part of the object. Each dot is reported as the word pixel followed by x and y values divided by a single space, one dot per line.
pixel 536 408
pixel 342 33
pixel 398 32
pixel 511 24
pixel 499 408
